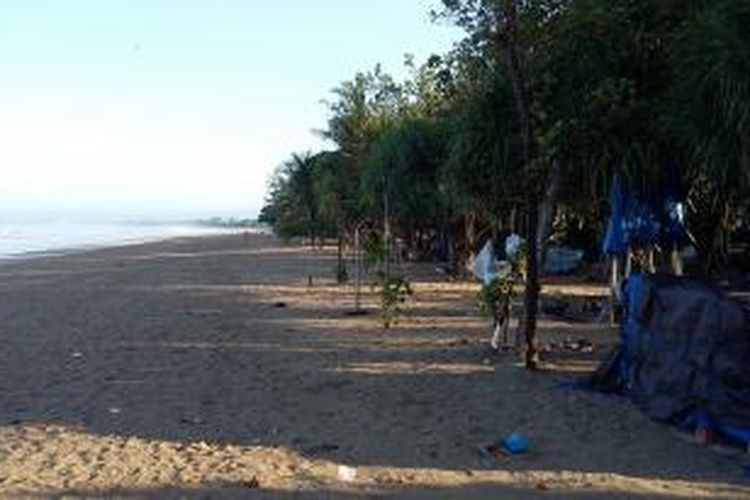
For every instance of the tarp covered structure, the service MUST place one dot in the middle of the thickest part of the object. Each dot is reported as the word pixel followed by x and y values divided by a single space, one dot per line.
pixel 684 356
pixel 636 220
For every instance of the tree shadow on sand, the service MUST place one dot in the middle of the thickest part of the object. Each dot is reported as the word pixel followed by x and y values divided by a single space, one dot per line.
pixel 164 354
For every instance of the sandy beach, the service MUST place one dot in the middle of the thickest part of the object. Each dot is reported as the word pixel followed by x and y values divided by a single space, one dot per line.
pixel 209 367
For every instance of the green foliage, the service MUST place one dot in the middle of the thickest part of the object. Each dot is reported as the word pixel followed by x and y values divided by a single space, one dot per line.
pixel 404 161
pixel 335 186
pixel 393 295
pixel 521 264
pixel 652 91
pixel 373 252
pixel 362 108
pixel 710 95
pixel 501 289
pixel 498 291
pixel 484 150
pixel 293 208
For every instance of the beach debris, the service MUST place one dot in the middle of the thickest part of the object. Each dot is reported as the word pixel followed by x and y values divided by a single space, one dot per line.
pixel 580 345
pixel 703 435
pixel 573 309
pixel 703 427
pixel 76 354
pixel 192 420
pixel 489 455
pixel 279 305
pixel 512 444
pixel 515 443
pixel 321 449
pixel 357 312
pixel 347 474
pixel 251 483
pixel 114 410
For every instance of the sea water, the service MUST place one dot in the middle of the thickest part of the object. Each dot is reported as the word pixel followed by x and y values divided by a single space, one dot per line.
pixel 25 234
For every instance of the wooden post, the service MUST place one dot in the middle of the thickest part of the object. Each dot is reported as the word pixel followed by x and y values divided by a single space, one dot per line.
pixel 651 260
pixel 358 265
pixel 614 286
pixel 386 232
pixel 340 265
pixel 677 264
pixel 629 263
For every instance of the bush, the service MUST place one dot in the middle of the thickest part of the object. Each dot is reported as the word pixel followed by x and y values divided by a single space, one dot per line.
pixel 393 296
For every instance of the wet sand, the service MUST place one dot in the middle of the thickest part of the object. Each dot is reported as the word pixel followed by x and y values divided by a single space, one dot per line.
pixel 209 367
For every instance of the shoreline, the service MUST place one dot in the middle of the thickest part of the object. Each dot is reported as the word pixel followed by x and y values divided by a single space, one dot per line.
pixel 135 242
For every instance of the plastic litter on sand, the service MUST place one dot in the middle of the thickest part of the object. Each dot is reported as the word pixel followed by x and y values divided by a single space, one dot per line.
pixel 516 443
pixel 347 474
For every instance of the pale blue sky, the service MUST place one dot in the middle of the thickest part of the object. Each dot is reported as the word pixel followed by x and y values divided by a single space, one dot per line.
pixel 147 106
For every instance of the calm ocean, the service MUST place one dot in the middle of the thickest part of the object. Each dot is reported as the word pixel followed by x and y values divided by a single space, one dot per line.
pixel 21 235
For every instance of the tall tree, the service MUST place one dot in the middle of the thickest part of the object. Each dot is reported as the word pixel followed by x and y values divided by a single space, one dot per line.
pixel 710 117
pixel 337 198
pixel 292 207
pixel 403 166
pixel 495 26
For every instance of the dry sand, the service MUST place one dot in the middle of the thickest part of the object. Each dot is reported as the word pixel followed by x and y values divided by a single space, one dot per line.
pixel 208 368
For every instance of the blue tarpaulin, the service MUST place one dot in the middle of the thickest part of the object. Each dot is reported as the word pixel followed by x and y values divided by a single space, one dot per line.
pixel 637 221
pixel 684 356
pixel 614 240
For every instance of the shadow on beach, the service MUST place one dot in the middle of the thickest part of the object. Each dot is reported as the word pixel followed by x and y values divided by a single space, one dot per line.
pixel 221 342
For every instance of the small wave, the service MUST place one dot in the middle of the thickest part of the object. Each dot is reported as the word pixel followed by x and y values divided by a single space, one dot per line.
pixel 23 239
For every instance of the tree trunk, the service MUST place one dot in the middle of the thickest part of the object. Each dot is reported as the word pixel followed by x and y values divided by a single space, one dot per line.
pixel 470 234
pixel 358 268
pixel 340 267
pixel 614 289
pixel 513 220
pixel 531 294
pixel 547 211
pixel 386 233
pixel 508 46
pixel 453 255
pixel 677 264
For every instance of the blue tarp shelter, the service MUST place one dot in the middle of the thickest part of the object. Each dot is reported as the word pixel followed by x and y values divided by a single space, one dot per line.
pixel 637 221
pixel 684 356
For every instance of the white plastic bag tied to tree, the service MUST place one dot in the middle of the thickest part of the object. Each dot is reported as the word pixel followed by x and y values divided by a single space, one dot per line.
pixel 513 247
pixel 485 266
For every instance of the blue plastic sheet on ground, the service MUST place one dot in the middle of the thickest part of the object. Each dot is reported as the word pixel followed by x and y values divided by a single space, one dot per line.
pixel 684 356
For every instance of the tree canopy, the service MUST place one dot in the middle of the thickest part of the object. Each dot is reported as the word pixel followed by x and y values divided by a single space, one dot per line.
pixel 529 118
